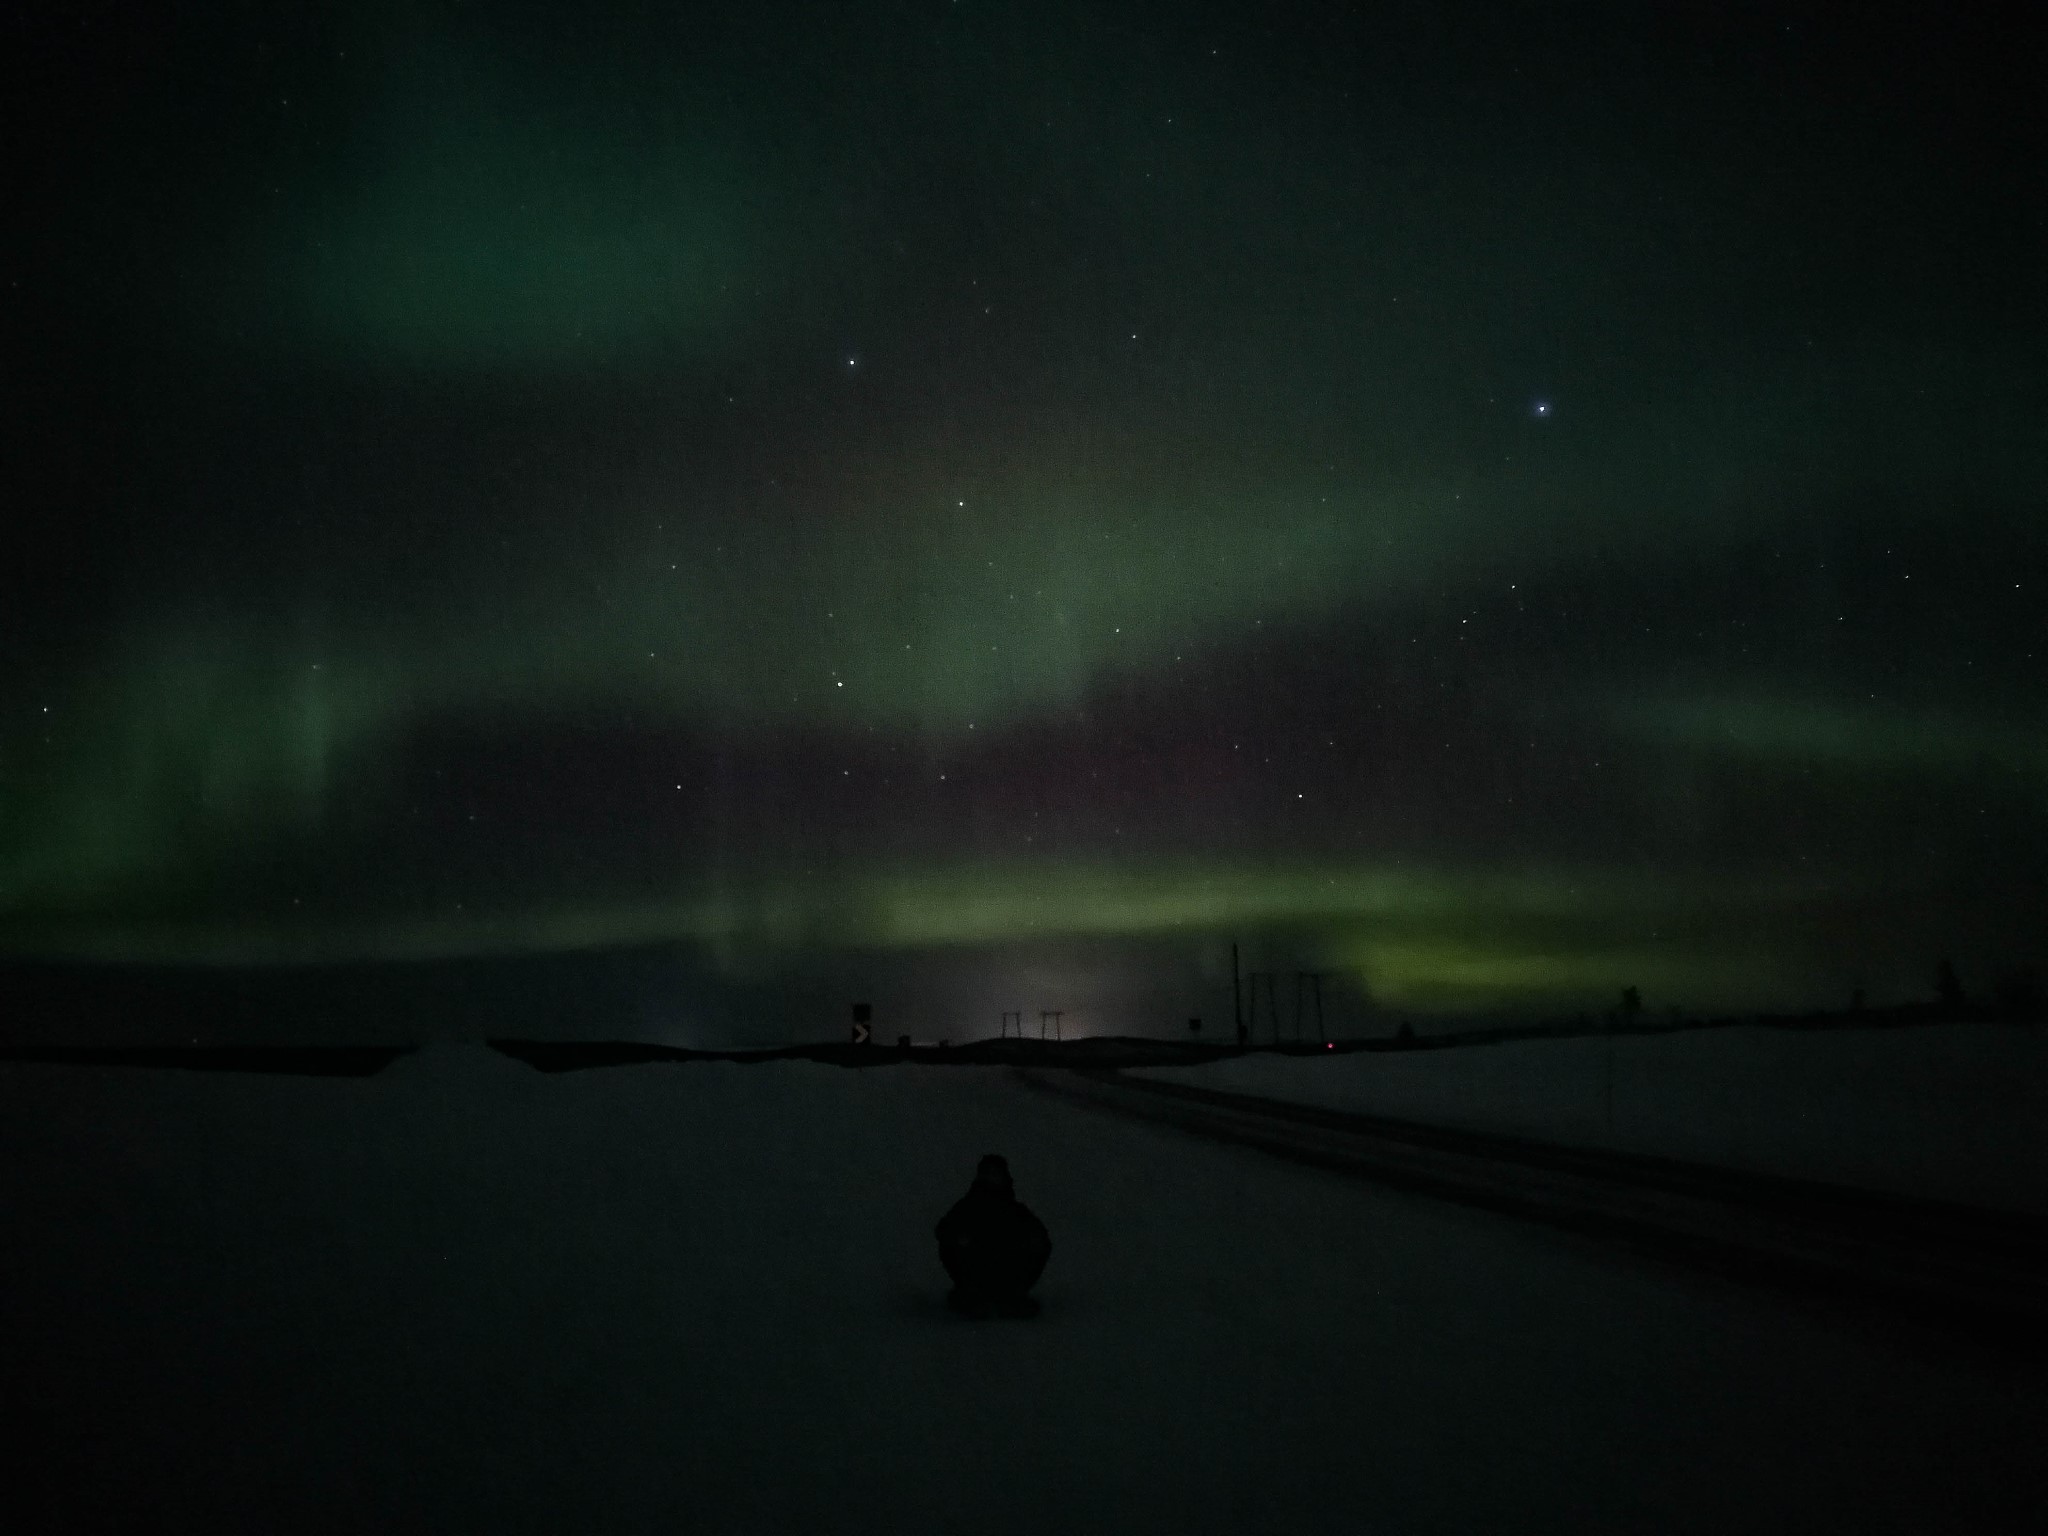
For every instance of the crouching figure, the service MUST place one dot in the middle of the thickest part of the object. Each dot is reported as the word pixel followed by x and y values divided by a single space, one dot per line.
pixel 992 1246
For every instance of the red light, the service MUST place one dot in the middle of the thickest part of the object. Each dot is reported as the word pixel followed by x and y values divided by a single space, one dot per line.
pixel 1328 1046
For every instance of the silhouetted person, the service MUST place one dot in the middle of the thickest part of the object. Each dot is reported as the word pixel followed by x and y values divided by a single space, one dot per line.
pixel 992 1246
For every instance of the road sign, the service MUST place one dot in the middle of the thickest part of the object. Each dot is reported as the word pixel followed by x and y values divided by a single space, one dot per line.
pixel 860 1034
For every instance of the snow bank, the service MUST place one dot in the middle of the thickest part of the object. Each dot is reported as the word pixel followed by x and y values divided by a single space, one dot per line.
pixel 1957 1111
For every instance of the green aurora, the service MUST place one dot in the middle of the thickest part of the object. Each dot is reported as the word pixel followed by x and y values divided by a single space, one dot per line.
pixel 800 489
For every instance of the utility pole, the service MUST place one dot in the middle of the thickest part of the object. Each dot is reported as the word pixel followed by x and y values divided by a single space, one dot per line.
pixel 1044 1014
pixel 1272 1001
pixel 1236 1001
pixel 1018 1015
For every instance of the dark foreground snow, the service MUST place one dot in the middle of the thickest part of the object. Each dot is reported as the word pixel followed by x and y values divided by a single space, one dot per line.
pixel 463 1296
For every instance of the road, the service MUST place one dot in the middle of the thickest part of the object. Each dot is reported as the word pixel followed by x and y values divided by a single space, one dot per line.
pixel 1978 1273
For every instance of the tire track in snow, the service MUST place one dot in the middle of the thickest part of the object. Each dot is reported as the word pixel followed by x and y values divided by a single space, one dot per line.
pixel 1980 1272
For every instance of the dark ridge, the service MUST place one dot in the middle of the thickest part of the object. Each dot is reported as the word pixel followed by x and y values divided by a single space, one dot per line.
pixel 284 1060
pixel 576 1055
pixel 1095 1051
pixel 1141 1051
pixel 1898 1016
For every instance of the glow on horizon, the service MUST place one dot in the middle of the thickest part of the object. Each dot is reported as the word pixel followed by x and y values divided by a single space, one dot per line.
pixel 1430 940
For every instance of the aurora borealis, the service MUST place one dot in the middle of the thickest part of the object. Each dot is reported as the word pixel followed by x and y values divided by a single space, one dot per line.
pixel 1496 511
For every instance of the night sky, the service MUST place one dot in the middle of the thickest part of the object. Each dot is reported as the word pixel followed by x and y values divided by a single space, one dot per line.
pixel 1497 504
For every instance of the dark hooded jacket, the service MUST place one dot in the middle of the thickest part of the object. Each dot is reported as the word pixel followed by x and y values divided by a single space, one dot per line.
pixel 989 1241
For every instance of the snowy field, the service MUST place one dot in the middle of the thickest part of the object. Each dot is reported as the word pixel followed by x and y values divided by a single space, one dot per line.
pixel 463 1296
pixel 1957 1112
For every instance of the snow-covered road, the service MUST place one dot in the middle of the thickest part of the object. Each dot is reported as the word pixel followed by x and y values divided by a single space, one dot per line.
pixel 466 1296
pixel 1942 1112
pixel 1981 1272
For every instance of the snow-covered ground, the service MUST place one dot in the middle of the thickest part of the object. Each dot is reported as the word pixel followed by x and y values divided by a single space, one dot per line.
pixel 464 1296
pixel 1955 1111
